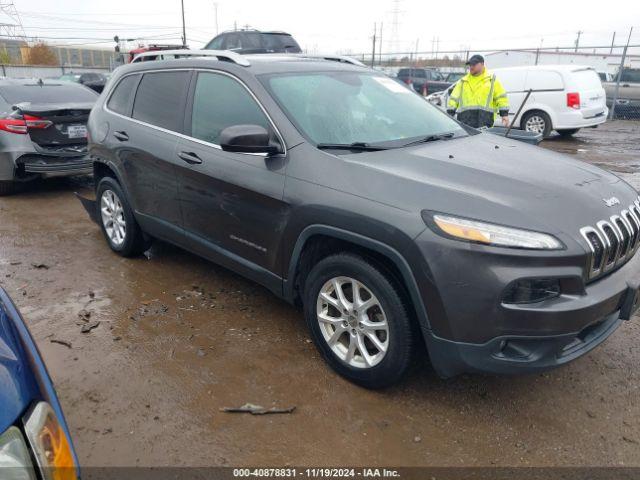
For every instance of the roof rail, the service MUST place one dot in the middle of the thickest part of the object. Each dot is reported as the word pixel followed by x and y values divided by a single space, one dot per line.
pixel 224 55
pixel 335 58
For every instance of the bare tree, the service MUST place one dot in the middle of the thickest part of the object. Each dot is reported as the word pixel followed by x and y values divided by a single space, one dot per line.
pixel 41 54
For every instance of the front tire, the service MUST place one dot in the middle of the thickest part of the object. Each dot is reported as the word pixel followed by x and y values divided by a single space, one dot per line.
pixel 119 226
pixel 537 121
pixel 358 320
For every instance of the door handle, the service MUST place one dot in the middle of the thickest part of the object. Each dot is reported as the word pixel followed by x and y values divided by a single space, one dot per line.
pixel 122 136
pixel 190 158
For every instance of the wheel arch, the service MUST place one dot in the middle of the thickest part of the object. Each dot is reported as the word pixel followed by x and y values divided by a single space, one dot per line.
pixel 536 107
pixel 328 238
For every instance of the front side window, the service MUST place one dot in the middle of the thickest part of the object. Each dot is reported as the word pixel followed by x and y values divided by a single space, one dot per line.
pixel 219 102
pixel 120 100
pixel 160 99
pixel 348 107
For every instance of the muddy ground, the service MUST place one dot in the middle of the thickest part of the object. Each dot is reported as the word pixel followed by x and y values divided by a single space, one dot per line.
pixel 179 338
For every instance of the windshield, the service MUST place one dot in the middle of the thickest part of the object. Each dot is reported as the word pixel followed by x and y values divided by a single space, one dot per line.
pixel 352 107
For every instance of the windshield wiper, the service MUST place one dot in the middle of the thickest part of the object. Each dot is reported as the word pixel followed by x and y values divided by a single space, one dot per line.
pixel 355 146
pixel 430 138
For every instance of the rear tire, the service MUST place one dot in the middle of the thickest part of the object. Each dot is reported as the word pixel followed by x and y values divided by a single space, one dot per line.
pixel 536 121
pixel 7 188
pixel 567 132
pixel 119 226
pixel 368 341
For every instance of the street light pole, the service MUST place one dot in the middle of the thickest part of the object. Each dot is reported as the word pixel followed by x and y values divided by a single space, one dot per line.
pixel 184 29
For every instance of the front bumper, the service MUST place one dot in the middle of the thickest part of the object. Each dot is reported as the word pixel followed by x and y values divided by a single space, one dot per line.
pixel 471 330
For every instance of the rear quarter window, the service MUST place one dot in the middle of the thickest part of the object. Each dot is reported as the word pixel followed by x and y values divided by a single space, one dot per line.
pixel 122 96
pixel 544 80
pixel 587 80
pixel 160 99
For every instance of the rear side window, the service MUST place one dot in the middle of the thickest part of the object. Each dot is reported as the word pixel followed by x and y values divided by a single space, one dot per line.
pixel 587 80
pixel 53 93
pixel 629 75
pixel 220 102
pixel 160 99
pixel 122 96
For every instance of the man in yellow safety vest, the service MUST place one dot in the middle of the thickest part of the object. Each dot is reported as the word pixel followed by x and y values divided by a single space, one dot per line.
pixel 479 96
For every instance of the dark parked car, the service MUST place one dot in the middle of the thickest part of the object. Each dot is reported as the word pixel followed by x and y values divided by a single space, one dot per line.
pixel 34 437
pixel 389 222
pixel 43 130
pixel 95 81
pixel 453 77
pixel 254 41
pixel 424 80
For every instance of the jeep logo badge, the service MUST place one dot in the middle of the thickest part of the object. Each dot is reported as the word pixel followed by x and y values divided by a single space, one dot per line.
pixel 610 202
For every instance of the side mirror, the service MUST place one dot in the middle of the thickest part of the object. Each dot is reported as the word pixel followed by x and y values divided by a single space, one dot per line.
pixel 247 139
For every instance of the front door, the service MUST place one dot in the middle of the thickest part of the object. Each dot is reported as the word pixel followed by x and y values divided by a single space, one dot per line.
pixel 232 203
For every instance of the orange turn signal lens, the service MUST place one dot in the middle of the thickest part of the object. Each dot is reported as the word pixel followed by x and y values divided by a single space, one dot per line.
pixel 50 444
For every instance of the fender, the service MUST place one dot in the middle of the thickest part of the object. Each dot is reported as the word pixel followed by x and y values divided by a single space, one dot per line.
pixel 379 247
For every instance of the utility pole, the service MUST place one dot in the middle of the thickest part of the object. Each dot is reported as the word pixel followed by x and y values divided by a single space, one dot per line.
pixel 184 28
pixel 215 9
pixel 613 42
pixel 578 40
pixel 373 52
pixel 615 93
pixel 380 46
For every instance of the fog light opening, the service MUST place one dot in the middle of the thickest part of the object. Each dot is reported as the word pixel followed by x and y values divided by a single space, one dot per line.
pixel 531 290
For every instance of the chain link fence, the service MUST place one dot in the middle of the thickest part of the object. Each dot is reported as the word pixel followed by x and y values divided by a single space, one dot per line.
pixel 618 67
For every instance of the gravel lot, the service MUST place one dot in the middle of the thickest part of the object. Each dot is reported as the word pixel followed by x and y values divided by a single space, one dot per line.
pixel 179 338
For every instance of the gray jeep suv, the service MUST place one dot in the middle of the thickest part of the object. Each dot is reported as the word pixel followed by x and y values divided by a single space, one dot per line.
pixel 393 226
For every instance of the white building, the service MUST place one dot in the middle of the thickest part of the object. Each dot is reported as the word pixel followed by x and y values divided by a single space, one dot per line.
pixel 609 63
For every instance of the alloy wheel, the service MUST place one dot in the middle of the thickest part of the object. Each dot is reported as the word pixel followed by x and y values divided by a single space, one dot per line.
pixel 113 217
pixel 352 322
pixel 535 124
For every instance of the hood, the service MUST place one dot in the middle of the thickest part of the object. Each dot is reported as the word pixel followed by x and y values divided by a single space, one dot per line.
pixel 17 382
pixel 488 177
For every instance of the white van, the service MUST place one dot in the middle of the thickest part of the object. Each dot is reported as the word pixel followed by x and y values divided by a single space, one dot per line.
pixel 564 98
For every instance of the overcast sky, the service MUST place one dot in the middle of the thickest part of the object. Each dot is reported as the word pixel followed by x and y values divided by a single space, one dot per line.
pixel 339 25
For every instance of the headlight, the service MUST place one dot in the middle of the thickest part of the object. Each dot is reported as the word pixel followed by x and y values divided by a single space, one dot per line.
pixel 490 234
pixel 15 462
pixel 49 443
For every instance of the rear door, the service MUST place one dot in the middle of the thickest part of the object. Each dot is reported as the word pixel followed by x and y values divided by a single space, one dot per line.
pixel 56 114
pixel 232 203
pixel 593 99
pixel 145 146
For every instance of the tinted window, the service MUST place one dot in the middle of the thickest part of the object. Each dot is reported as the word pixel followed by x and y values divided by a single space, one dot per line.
pixel 159 100
pixel 63 92
pixel 629 75
pixel 280 41
pixel 120 101
pixel 250 40
pixel 220 102
pixel 232 41
pixel 216 43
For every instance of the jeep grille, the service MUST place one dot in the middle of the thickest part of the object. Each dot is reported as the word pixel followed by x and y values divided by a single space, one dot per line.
pixel 613 241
